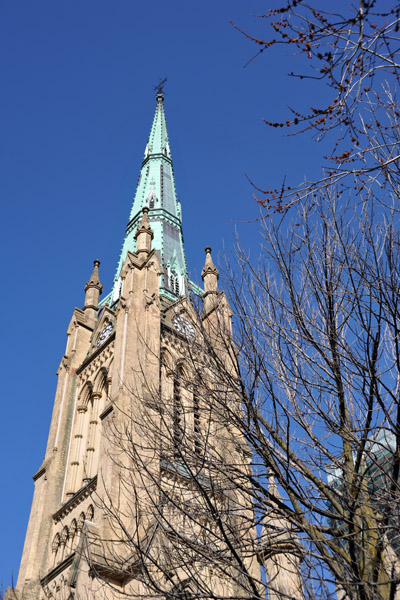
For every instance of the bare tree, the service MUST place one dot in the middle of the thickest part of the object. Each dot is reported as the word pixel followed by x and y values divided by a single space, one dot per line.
pixel 318 321
pixel 352 50
pixel 277 445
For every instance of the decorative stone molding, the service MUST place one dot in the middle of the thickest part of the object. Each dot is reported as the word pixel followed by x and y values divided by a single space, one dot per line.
pixel 108 410
pixel 56 571
pixel 76 499
pixel 98 357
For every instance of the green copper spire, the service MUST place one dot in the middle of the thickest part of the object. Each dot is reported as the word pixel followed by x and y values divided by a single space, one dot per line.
pixel 156 190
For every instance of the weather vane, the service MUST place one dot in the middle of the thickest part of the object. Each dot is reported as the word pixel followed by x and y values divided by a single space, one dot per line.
pixel 159 88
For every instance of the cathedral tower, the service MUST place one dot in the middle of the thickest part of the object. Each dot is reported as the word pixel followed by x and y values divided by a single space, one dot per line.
pixel 135 489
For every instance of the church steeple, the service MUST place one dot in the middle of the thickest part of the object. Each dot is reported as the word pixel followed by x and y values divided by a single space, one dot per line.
pixel 156 191
pixel 122 365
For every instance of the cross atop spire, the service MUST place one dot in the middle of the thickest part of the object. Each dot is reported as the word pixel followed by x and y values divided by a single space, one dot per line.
pixel 159 88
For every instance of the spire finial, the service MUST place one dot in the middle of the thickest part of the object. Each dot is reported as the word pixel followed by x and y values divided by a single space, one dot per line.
pixel 94 280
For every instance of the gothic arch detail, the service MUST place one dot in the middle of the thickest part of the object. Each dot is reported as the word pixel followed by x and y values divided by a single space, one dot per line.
pixel 55 547
pixel 73 532
pixel 81 522
pixel 64 539
pixel 85 395
pixel 178 413
pixel 86 434
pixel 90 513
pixel 101 381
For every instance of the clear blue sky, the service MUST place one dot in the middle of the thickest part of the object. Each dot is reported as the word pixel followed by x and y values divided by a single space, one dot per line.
pixel 77 102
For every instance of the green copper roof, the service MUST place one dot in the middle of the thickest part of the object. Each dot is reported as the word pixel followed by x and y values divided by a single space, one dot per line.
pixel 156 189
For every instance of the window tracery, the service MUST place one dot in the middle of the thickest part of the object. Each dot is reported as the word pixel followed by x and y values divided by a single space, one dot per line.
pixel 73 533
pixel 177 416
pixel 63 542
pixel 86 435
pixel 55 547
pixel 196 422
pixel 90 513
pixel 81 522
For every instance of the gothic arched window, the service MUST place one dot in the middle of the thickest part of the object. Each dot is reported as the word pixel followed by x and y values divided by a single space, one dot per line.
pixel 55 547
pixel 73 530
pixel 64 541
pixel 81 521
pixel 196 422
pixel 90 513
pixel 177 416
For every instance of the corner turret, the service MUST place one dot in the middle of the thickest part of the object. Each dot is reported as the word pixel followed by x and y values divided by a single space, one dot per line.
pixel 210 276
pixel 93 289
pixel 144 234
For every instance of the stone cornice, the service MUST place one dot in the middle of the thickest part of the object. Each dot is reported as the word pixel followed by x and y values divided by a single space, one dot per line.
pixel 76 499
pixel 57 570
pixel 95 353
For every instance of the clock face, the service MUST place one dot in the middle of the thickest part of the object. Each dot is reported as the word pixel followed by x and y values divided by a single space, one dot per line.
pixel 184 327
pixel 104 334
